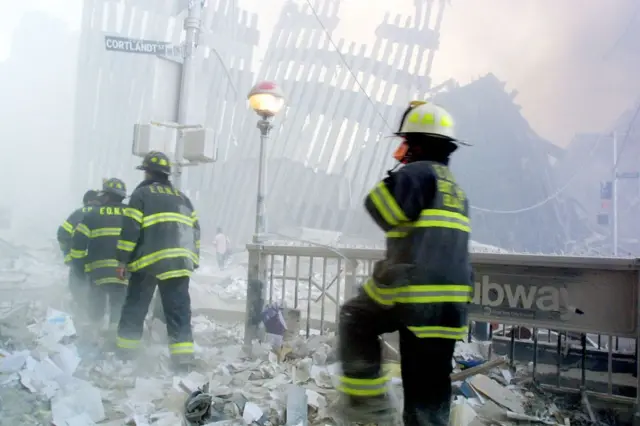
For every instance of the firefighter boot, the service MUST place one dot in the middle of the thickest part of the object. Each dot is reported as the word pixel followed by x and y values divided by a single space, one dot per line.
pixel 111 333
pixel 183 363
pixel 366 410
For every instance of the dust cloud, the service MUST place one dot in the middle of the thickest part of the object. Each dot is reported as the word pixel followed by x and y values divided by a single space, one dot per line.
pixel 572 62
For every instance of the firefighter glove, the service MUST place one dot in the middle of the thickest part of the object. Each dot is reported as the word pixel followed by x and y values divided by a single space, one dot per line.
pixel 392 275
pixel 122 272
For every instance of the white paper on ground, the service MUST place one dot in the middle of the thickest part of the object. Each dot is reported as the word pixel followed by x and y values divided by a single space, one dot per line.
pixel 77 401
pixel 67 359
pixel 58 325
pixel 14 362
pixel 251 413
pixel 81 420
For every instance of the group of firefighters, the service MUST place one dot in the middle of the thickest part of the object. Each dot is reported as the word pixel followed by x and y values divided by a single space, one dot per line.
pixel 421 289
pixel 122 252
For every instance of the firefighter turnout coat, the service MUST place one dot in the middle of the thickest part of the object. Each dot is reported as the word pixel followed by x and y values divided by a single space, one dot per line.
pixel 426 274
pixel 94 243
pixel 160 232
pixel 65 231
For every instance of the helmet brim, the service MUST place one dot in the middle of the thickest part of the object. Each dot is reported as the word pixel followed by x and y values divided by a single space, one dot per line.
pixel 148 169
pixel 452 140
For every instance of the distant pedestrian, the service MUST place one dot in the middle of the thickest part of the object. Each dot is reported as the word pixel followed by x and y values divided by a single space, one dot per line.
pixel 222 244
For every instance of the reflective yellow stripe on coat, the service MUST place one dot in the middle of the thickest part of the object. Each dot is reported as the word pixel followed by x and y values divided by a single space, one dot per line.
pixel 418 294
pixel 386 205
pixel 433 218
pixel 154 257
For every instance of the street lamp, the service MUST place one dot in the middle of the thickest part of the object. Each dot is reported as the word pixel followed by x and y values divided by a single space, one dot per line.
pixel 266 99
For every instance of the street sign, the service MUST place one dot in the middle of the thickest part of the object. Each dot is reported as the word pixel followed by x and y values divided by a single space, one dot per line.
pixel 628 175
pixel 133 45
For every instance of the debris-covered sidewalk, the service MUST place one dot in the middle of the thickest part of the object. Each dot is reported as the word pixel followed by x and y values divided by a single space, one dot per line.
pixel 57 369
pixel 53 371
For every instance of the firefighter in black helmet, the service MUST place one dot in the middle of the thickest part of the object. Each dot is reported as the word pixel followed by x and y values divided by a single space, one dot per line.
pixel 77 279
pixel 422 287
pixel 159 245
pixel 94 251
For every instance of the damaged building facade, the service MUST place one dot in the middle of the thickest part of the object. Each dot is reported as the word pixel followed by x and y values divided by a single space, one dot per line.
pixel 330 144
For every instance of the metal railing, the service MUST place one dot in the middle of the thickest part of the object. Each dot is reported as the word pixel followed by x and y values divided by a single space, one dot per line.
pixel 574 321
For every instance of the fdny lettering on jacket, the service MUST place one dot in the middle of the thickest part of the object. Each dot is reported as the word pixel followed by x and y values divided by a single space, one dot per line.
pixel 453 196
pixel 111 211
pixel 162 189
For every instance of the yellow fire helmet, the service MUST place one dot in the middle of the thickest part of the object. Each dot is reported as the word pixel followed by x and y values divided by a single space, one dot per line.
pixel 428 118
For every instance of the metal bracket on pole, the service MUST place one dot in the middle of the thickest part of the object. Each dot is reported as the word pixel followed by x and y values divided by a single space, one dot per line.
pixel 172 125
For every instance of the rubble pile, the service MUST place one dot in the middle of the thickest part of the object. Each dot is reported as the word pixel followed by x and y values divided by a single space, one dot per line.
pixel 60 376
pixel 54 373
pixel 231 283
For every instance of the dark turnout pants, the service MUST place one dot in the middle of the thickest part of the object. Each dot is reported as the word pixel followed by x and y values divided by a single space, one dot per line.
pixel 101 295
pixel 79 288
pixel 176 303
pixel 78 284
pixel 425 363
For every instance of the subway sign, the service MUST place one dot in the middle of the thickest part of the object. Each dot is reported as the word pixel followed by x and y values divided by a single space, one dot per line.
pixel 570 299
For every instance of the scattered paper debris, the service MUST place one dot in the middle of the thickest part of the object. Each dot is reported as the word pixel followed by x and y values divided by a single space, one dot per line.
pixel 56 369
pixel 497 393
pixel 251 413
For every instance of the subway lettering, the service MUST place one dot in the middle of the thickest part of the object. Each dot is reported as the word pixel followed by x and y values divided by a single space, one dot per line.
pixel 543 298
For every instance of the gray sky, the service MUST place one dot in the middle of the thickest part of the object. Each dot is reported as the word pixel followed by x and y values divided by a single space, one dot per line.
pixel 559 55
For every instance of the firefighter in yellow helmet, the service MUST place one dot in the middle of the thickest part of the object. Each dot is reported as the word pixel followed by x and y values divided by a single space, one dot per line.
pixel 422 287
pixel 159 245
pixel 94 251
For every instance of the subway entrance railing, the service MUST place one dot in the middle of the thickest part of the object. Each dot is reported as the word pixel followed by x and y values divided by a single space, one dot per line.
pixel 573 319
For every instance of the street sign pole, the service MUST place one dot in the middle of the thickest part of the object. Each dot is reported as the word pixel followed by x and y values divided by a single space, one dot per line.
pixel 615 194
pixel 614 184
pixel 194 144
pixel 187 83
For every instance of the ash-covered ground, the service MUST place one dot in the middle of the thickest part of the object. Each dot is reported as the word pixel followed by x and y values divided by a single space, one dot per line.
pixel 56 368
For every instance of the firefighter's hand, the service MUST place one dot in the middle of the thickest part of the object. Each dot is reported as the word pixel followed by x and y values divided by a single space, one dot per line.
pixel 121 272
pixel 389 274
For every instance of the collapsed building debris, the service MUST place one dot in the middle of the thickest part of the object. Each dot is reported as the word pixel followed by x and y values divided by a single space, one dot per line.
pixel 54 370
pixel 56 377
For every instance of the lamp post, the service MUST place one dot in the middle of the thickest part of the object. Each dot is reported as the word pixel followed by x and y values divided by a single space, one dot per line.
pixel 266 99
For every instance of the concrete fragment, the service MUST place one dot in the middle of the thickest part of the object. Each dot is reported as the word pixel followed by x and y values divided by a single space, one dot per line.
pixel 315 400
pixel 193 382
pixel 506 374
pixel 296 406
pixel 523 417
pixel 462 414
pixel 251 413
pixel 500 395
pixel 80 420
